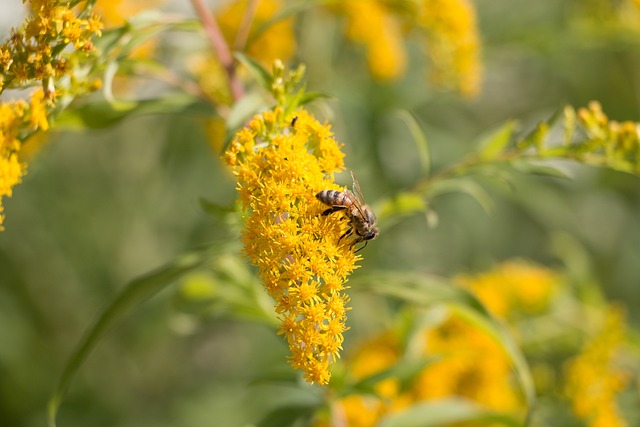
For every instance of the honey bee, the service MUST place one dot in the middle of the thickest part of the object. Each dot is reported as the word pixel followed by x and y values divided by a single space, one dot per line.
pixel 360 216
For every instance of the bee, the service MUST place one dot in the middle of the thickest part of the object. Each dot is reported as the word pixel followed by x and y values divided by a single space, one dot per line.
pixel 360 216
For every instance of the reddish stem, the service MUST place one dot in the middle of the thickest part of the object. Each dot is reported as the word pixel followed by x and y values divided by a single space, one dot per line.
pixel 220 47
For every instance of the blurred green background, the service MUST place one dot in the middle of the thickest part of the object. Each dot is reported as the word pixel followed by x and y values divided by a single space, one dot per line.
pixel 100 208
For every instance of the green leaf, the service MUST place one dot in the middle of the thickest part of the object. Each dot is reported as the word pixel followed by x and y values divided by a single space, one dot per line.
pixel 132 295
pixel 308 97
pixel 291 415
pixel 422 144
pixel 216 210
pixel 263 76
pixel 537 167
pixel 99 114
pixel 444 412
pixel 405 371
pixel 493 145
pixel 463 185
pixel 240 113
pixel 402 204
pixel 423 290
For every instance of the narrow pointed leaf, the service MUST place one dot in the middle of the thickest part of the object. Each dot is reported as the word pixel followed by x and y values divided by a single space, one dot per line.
pixel 532 167
pixel 260 73
pixel 464 185
pixel 491 146
pixel 132 295
pixel 286 416
pixel 405 371
pixel 420 139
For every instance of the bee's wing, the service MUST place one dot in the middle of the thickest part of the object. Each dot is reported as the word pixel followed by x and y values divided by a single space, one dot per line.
pixel 357 190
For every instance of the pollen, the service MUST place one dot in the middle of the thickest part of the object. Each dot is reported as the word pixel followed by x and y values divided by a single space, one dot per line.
pixel 298 253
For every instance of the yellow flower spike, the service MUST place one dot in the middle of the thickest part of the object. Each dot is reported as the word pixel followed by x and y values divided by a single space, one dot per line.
pixel 453 44
pixel 593 377
pixel 278 41
pixel 370 23
pixel 301 262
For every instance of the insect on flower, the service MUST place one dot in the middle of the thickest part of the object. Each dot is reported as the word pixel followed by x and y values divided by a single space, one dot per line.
pixel 360 216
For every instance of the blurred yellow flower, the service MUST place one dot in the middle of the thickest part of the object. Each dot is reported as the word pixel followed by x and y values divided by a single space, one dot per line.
pixel 594 378
pixel 472 365
pixel 114 13
pixel 370 23
pixel 240 29
pixel 452 43
pixel 608 142
pixel 301 260
pixel 11 170
pixel 513 286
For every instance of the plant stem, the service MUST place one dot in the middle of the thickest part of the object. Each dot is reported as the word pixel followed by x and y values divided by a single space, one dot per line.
pixel 212 30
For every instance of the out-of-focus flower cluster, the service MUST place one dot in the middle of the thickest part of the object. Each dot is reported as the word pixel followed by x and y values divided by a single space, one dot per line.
pixel 301 261
pixel 446 29
pixel 595 377
pixel 609 143
pixel 52 41
pixel 465 361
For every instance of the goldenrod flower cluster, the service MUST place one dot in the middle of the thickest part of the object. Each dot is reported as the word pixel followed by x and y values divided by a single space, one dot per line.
pixel 447 28
pixel 594 379
pixel 452 43
pixel 302 262
pixel 115 12
pixel 38 54
pixel 608 142
pixel 371 23
pixel 472 365
pixel 275 42
pixel 512 287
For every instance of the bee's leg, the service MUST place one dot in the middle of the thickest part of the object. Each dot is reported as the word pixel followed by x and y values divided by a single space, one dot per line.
pixel 346 233
pixel 365 245
pixel 333 209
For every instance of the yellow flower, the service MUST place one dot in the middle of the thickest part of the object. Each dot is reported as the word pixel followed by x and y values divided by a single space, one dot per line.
pixel 301 260
pixel 370 22
pixel 276 42
pixel 11 172
pixel 608 142
pixel 472 365
pixel 114 13
pixel 38 110
pixel 513 286
pixel 593 377
pixel 453 44
pixel 28 54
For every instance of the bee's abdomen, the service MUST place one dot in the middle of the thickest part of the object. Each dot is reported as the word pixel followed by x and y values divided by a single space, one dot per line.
pixel 333 197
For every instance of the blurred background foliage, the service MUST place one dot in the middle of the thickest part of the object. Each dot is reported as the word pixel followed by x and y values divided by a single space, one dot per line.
pixel 115 192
